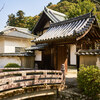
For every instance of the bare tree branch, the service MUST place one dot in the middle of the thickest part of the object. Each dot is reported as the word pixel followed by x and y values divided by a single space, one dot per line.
pixel 2 7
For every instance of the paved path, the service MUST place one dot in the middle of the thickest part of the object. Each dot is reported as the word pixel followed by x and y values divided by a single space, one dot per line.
pixel 71 78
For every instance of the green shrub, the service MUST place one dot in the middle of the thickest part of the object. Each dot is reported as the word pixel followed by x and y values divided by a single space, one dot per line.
pixel 12 65
pixel 89 80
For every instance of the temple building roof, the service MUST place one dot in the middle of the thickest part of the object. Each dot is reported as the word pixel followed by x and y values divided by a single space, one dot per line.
pixel 37 47
pixel 88 52
pixel 54 15
pixel 48 15
pixel 75 27
pixel 16 54
pixel 11 31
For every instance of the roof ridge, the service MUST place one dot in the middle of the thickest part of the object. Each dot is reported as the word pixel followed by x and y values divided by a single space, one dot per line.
pixel 77 28
pixel 88 15
pixel 48 14
pixel 24 32
pixel 17 29
pixel 58 13
pixel 53 16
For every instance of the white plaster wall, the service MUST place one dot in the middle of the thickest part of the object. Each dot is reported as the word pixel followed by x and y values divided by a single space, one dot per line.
pixel 1 45
pixel 6 60
pixel 38 55
pixel 10 44
pixel 72 54
pixel 47 24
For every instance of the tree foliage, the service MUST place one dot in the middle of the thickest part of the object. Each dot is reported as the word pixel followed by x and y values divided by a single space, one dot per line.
pixel 72 8
pixel 11 20
pixel 69 0
pixel 81 8
pixel 89 80
pixel 19 20
pixel 20 14
pixel 31 21
pixel 49 4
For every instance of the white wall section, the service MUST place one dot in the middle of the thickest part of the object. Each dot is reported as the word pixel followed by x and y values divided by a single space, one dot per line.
pixel 72 54
pixel 38 55
pixel 6 60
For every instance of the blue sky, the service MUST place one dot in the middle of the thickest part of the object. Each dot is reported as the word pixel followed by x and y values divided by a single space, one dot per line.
pixel 30 7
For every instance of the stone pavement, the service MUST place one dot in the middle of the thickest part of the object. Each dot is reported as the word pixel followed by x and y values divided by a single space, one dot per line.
pixel 71 78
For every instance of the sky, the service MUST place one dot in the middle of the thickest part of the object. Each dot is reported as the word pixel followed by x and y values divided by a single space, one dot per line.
pixel 30 7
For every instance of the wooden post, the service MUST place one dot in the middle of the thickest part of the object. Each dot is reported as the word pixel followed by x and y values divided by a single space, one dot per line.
pixel 78 62
pixel 78 46
pixel 62 86
pixel 36 66
pixel 63 72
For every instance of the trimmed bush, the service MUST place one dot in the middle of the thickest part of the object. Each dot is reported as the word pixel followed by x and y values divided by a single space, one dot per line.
pixel 12 65
pixel 89 80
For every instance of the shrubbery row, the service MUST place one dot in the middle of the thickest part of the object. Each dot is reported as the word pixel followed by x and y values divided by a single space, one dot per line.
pixel 89 80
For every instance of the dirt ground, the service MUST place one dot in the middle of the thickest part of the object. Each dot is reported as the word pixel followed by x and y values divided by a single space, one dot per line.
pixel 71 78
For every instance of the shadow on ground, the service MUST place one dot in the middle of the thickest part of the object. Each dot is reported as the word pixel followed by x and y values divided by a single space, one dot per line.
pixel 71 82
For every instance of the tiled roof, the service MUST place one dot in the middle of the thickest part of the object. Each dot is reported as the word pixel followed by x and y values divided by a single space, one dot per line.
pixel 37 47
pixel 48 15
pixel 54 15
pixel 88 52
pixel 16 32
pixel 72 27
pixel 25 30
pixel 15 54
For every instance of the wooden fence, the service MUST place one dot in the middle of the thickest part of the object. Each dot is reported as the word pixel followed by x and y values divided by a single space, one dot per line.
pixel 14 69
pixel 25 78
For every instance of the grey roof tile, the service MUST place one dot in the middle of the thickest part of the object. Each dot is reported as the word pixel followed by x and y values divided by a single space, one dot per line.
pixel 16 32
pixel 88 52
pixel 37 47
pixel 54 15
pixel 49 15
pixel 70 27
pixel 25 30
pixel 15 54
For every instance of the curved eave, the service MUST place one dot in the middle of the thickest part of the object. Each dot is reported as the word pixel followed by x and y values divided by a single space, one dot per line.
pixel 85 31
pixel 77 27
pixel 71 38
pixel 51 17
pixel 78 34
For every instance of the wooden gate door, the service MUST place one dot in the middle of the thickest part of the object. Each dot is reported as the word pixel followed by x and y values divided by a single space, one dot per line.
pixel 62 57
pixel 46 58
